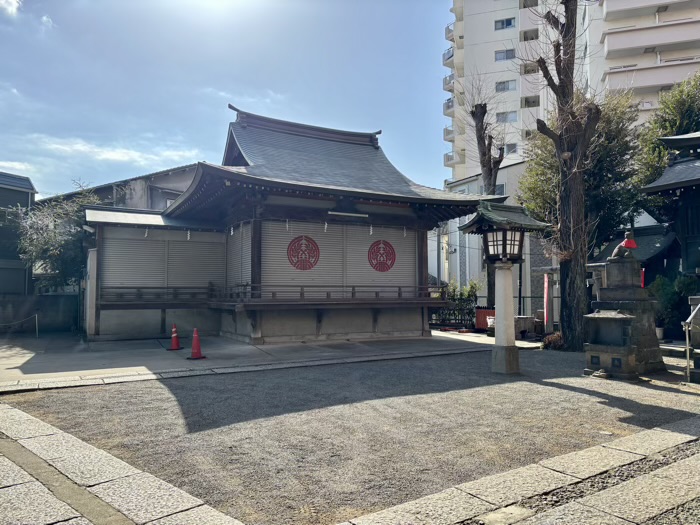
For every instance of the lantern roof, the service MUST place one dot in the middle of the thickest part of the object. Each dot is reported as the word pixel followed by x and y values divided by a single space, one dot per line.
pixel 491 215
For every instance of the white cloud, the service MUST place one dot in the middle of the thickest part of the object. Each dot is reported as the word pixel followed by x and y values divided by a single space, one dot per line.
pixel 80 148
pixel 18 168
pixel 46 23
pixel 10 7
pixel 266 97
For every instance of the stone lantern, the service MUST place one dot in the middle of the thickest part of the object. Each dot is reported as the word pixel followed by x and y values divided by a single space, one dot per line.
pixel 503 230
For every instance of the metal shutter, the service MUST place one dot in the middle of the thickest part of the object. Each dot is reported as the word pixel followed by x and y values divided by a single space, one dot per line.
pixel 359 271
pixel 276 268
pixel 127 262
pixel 245 254
pixel 238 255
pixel 192 263
pixel 233 257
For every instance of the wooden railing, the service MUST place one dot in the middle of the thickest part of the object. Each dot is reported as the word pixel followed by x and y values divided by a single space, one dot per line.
pixel 267 293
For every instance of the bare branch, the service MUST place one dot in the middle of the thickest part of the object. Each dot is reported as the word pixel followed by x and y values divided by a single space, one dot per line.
pixel 547 132
pixel 542 63
pixel 554 21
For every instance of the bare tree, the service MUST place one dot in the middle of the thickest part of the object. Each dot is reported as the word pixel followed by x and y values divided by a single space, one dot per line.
pixel 572 135
pixel 489 145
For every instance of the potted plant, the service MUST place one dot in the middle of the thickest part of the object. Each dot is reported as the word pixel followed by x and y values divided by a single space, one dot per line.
pixel 660 322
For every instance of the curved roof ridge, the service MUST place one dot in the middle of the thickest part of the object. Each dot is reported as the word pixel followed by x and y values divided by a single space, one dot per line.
pixel 246 118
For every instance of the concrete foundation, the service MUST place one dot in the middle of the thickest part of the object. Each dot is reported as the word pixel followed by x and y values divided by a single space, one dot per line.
pixel 145 324
pixel 282 326
pixel 505 360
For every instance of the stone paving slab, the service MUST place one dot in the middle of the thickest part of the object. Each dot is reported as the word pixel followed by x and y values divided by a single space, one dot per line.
pixel 4 406
pixel 20 387
pixel 649 441
pixel 9 383
pixel 685 426
pixel 43 385
pixel 590 461
pixel 76 521
pixel 203 515
pixel 683 471
pixel 514 485
pixel 574 514
pixel 32 504
pixel 11 474
pixel 17 425
pixel 57 445
pixel 93 468
pixel 143 498
pixel 505 516
pixel 444 508
pixel 129 379
pixel 642 498
pixel 186 373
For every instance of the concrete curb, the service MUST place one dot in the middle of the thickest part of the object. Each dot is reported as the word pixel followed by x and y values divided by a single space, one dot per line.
pixel 13 387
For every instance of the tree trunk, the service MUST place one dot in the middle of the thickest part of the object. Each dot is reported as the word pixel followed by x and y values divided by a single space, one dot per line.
pixel 571 140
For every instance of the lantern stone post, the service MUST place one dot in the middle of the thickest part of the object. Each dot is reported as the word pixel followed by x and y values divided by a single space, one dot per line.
pixel 503 230
pixel 504 356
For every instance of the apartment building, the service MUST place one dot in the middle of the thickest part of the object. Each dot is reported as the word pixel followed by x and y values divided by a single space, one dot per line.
pixel 645 46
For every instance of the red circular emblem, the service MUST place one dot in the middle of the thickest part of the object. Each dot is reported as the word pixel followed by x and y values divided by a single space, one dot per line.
pixel 381 256
pixel 303 253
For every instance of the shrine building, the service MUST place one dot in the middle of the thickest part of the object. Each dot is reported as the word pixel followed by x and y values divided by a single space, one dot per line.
pixel 303 233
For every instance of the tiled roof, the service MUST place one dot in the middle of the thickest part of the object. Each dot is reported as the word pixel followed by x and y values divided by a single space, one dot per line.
pixel 651 241
pixel 296 153
pixel 682 173
pixel 502 216
pixel 16 182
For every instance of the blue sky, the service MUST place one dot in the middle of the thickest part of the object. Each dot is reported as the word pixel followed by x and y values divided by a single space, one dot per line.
pixel 101 90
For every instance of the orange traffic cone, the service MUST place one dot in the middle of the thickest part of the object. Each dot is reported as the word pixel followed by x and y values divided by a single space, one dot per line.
pixel 174 340
pixel 196 348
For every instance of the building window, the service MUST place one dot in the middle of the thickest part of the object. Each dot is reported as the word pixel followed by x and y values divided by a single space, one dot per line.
pixel 528 134
pixel 530 102
pixel 500 189
pixel 506 85
pixel 530 34
pixel 506 54
pixel 510 148
pixel 506 116
pixel 529 68
pixel 505 23
pixel 528 4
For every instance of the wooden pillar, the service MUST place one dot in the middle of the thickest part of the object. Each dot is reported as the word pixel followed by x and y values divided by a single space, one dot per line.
pixel 422 264
pixel 255 257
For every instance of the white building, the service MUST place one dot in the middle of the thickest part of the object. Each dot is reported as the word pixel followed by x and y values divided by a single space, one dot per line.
pixel 623 44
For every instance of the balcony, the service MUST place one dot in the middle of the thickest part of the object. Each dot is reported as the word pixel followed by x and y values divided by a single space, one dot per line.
pixel 670 36
pixel 448 83
pixel 649 79
pixel 617 9
pixel 453 158
pixel 448 134
pixel 450 32
pixel 448 107
pixel 529 20
pixel 448 57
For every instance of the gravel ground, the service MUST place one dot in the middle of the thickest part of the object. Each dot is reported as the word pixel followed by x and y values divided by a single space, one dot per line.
pixel 325 444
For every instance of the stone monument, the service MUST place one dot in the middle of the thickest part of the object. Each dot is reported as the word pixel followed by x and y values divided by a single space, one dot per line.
pixel 620 335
